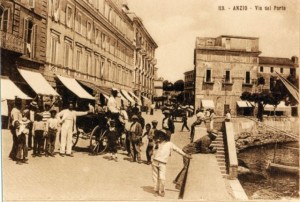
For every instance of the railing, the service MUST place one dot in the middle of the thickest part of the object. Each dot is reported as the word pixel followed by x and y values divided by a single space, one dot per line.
pixel 11 42
pixel 231 149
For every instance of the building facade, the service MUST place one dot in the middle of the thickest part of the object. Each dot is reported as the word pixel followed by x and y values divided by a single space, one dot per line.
pixel 23 38
pixel 225 67
pixel 270 66
pixel 144 59
pixel 189 87
pixel 90 41
pixel 267 73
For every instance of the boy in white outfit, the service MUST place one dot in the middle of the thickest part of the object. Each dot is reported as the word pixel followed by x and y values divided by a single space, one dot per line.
pixel 161 155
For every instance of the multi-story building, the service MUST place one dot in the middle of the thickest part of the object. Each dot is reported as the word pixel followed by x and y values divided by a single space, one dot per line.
pixel 144 59
pixel 268 70
pixel 189 87
pixel 91 41
pixel 225 67
pixel 270 66
pixel 23 39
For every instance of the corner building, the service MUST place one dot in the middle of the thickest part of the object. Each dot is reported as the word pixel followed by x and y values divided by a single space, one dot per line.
pixel 225 67
pixel 90 41
pixel 23 39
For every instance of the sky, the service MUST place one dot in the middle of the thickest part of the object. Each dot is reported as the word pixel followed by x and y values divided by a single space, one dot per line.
pixel 175 24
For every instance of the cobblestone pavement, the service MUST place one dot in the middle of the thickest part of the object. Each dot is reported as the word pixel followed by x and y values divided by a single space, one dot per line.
pixel 87 177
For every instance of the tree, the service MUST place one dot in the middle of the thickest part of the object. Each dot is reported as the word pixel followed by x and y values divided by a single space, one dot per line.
pixel 168 86
pixel 180 97
pixel 179 85
pixel 262 99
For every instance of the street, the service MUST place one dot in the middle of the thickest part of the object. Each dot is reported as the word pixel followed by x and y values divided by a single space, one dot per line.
pixel 86 177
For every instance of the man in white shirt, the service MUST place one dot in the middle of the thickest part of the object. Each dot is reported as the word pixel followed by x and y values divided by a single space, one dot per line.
pixel 68 121
pixel 112 103
pixel 161 156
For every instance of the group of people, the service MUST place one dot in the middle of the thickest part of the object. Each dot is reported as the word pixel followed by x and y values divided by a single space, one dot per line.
pixel 37 130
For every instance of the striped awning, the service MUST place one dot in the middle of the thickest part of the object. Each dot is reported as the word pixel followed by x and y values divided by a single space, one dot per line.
pixel 75 87
pixel 243 104
pixel 9 90
pixel 37 82
pixel 280 107
pixel 127 96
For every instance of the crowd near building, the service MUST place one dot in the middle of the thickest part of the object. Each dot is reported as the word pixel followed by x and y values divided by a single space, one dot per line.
pixel 75 49
pixel 227 66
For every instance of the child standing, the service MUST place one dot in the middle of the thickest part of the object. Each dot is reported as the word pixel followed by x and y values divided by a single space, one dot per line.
pixel 38 130
pixel 150 133
pixel 21 132
pixel 51 131
pixel 112 136
pixel 160 158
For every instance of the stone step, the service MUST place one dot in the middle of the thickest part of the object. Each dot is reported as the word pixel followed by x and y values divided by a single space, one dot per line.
pixel 220 152
pixel 221 158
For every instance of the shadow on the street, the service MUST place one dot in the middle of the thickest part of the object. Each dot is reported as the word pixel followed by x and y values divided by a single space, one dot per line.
pixel 81 149
pixel 148 189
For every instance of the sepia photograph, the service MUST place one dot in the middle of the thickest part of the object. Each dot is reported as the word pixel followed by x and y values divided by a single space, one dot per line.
pixel 149 100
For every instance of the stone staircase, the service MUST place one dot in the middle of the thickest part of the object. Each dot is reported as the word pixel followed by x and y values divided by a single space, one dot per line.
pixel 218 143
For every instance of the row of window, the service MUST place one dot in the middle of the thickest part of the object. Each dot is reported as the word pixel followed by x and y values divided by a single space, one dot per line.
pixel 272 69
pixel 227 77
pixel 84 61
pixel 83 25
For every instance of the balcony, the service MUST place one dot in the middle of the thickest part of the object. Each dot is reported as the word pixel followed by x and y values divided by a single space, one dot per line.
pixel 248 83
pixel 208 81
pixel 11 42
pixel 227 82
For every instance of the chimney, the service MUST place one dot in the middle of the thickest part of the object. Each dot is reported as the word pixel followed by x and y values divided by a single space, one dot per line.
pixel 295 61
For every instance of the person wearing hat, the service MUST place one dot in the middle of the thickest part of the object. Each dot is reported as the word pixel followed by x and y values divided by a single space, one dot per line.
pixel 112 137
pixel 161 155
pixel 38 130
pixel 51 131
pixel 200 118
pixel 202 145
pixel 168 124
pixel 136 133
pixel 15 113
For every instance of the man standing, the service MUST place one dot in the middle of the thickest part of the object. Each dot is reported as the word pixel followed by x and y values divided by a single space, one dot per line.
pixel 136 133
pixel 168 124
pixel 202 145
pixel 68 121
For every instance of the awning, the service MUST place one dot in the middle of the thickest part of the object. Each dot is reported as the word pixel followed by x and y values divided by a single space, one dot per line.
pixel 74 86
pixel 125 101
pixel 106 96
pixel 208 104
pixel 9 91
pixel 146 100
pixel 127 96
pixel 94 87
pixel 243 104
pixel 280 107
pixel 37 82
pixel 137 99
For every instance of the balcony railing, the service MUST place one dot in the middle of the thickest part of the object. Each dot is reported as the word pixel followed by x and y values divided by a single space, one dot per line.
pixel 11 42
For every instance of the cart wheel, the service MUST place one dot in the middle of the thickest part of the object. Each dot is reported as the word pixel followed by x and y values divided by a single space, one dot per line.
pixel 98 141
pixel 75 138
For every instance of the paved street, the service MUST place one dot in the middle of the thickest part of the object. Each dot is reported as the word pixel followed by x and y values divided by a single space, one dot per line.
pixel 87 177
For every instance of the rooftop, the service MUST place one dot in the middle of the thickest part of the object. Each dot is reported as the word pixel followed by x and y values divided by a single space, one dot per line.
pixel 275 61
